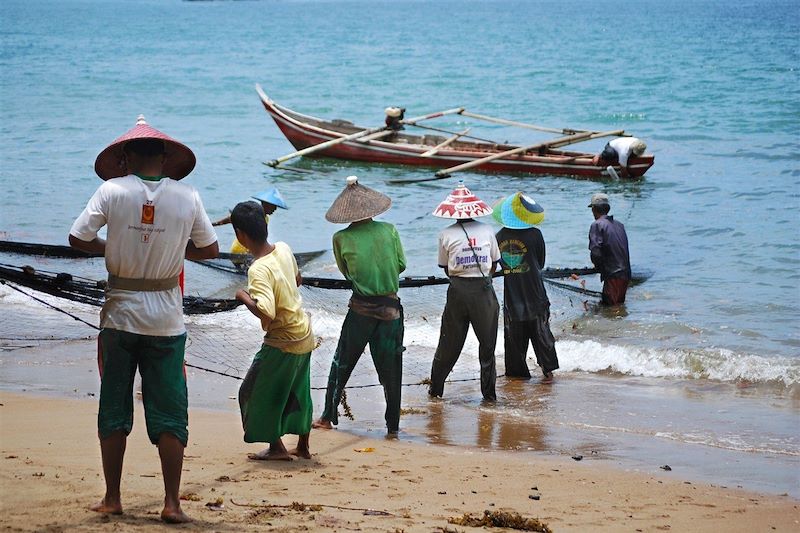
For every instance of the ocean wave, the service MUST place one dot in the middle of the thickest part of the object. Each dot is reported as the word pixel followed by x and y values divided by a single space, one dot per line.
pixel 714 364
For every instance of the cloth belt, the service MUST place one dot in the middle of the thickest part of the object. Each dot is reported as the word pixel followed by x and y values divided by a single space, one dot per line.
pixel 389 300
pixel 146 285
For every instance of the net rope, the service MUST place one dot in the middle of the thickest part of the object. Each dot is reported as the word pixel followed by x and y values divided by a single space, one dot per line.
pixel 225 342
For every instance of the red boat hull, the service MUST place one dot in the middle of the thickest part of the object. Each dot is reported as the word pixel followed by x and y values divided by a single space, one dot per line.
pixel 303 131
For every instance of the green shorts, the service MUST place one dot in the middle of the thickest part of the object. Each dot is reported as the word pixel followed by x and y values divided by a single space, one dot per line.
pixel 160 363
pixel 275 396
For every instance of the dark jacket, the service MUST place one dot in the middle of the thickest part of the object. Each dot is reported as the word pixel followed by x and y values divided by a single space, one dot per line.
pixel 608 247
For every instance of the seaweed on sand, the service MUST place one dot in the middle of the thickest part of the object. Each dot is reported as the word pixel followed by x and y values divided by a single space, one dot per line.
pixel 501 519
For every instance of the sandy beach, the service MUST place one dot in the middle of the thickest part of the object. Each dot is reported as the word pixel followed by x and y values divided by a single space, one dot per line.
pixel 51 473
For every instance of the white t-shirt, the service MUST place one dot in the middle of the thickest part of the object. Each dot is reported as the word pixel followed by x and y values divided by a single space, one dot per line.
pixel 622 145
pixel 456 254
pixel 149 224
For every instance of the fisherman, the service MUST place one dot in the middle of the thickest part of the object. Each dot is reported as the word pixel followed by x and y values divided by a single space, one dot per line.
pixel 394 118
pixel 370 255
pixel 608 247
pixel 526 309
pixel 275 396
pixel 619 150
pixel 468 253
pixel 153 221
pixel 271 200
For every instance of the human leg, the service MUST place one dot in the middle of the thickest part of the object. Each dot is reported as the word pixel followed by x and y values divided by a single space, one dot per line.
pixel 614 290
pixel 170 451
pixel 452 334
pixel 386 347
pixel 515 336
pixel 165 399
pixel 112 450
pixel 544 344
pixel 484 313
pixel 117 366
pixel 356 331
pixel 275 397
pixel 302 449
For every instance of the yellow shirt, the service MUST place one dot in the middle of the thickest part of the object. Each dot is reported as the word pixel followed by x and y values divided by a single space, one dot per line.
pixel 272 284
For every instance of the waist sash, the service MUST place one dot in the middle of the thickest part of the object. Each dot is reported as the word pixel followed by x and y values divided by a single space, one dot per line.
pixel 141 284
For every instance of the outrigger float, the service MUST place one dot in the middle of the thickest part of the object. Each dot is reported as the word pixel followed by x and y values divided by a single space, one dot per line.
pixel 342 139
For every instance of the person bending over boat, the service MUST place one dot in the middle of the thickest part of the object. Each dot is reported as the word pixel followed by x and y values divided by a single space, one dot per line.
pixel 271 200
pixel 619 150
pixel 526 308
pixel 608 248
pixel 275 396
pixel 370 255
pixel 153 222
pixel 468 253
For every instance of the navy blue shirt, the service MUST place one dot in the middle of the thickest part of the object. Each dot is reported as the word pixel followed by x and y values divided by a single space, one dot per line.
pixel 608 247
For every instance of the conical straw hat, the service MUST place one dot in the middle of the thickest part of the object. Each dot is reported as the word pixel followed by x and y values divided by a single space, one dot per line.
pixel 518 211
pixel 357 202
pixel 179 161
pixel 462 204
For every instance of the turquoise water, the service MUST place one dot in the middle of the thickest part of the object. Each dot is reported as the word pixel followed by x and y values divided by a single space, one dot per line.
pixel 712 86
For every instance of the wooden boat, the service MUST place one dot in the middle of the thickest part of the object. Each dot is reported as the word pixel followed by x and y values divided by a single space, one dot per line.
pixel 343 140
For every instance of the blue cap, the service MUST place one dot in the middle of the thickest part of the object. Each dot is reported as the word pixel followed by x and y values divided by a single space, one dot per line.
pixel 271 196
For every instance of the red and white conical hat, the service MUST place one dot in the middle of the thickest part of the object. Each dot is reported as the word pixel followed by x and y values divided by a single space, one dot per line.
pixel 178 163
pixel 461 204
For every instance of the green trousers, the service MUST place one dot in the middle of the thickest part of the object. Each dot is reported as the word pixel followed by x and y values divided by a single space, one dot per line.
pixel 385 338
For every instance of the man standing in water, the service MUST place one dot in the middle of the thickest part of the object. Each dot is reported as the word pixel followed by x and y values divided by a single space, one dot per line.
pixel 468 253
pixel 153 222
pixel 608 248
pixel 370 255
pixel 526 309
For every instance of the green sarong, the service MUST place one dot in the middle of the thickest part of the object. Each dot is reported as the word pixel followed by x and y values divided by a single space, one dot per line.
pixel 275 396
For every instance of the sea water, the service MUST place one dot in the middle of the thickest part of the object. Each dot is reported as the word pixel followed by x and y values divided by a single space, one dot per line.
pixel 712 87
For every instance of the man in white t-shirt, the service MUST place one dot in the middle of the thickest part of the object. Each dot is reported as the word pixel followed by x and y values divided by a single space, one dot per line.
pixel 619 150
pixel 469 254
pixel 153 221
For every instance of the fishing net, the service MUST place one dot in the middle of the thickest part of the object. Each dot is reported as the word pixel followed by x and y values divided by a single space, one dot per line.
pixel 225 342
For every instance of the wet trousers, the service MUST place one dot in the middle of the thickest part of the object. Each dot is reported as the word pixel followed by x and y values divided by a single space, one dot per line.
pixel 518 333
pixel 385 338
pixel 614 290
pixel 469 301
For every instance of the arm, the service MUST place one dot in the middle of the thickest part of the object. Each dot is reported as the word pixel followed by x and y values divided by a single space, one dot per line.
pixel 248 302
pixel 207 252
pixel 221 222
pixel 95 246
pixel 401 256
pixel 595 246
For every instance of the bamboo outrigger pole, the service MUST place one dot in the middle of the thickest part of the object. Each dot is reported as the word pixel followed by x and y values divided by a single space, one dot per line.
pixel 561 141
pixel 565 131
pixel 445 143
pixel 381 131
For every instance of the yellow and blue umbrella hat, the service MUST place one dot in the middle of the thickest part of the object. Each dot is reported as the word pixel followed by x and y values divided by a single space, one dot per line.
pixel 518 211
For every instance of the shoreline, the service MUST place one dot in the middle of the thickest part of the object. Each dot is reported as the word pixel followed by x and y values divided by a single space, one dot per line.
pixel 51 473
pixel 632 424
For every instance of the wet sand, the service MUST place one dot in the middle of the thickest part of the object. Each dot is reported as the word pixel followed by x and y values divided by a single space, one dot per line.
pixel 634 424
pixel 51 473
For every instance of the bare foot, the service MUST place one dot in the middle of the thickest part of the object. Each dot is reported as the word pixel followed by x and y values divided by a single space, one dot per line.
pixel 321 423
pixel 268 455
pixel 548 378
pixel 300 452
pixel 107 508
pixel 174 516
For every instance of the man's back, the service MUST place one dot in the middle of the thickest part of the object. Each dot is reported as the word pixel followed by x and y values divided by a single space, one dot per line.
pixel 522 256
pixel 371 256
pixel 608 245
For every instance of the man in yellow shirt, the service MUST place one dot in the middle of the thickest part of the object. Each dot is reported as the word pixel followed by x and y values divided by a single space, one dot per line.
pixel 275 396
